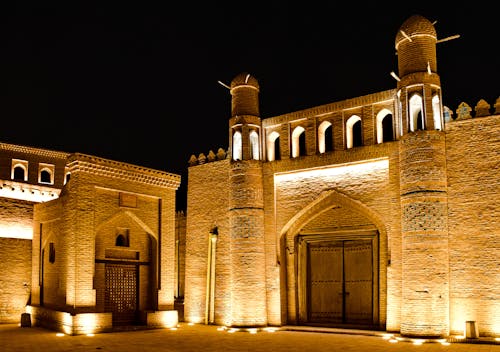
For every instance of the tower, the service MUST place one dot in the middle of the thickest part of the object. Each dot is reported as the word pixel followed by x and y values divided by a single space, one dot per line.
pixel 246 206
pixel 423 186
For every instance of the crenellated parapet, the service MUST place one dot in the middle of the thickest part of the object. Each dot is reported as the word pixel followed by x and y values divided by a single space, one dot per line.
pixel 465 111
pixel 462 112
pixel 210 157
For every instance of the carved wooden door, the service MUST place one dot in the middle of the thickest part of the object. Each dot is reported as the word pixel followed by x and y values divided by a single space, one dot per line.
pixel 121 293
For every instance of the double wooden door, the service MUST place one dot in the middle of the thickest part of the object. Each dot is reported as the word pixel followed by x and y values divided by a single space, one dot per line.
pixel 339 284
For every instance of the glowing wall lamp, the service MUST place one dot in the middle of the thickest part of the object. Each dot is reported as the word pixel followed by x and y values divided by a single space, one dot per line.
pixel 210 296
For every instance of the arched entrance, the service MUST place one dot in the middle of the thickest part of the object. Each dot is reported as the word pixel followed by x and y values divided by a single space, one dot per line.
pixel 121 296
pixel 337 278
pixel 125 275
pixel 337 249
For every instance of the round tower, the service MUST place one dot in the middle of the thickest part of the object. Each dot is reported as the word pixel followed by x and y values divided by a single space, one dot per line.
pixel 423 187
pixel 246 208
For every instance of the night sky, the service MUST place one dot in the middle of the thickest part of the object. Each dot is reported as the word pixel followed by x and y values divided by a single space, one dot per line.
pixel 137 81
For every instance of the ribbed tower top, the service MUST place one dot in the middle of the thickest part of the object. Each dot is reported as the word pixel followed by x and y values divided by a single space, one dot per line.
pixel 244 79
pixel 416 49
pixel 415 26
pixel 245 95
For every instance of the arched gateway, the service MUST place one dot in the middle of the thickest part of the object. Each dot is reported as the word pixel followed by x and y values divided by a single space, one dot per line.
pixel 333 268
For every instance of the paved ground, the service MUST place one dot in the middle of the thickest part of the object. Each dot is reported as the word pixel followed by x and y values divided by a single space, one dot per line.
pixel 208 338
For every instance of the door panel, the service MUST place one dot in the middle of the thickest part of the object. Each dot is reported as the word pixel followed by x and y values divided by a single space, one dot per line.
pixel 358 281
pixel 325 284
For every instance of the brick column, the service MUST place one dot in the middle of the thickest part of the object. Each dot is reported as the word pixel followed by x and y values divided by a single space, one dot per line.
pixel 424 230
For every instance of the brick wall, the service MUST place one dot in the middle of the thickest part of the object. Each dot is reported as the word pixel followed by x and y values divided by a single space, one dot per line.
pixel 207 208
pixel 15 278
pixel 473 161
pixel 16 218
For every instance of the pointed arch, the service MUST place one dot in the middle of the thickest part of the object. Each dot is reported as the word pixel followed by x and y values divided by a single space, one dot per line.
pixel 254 145
pixel 237 146
pixel 297 134
pixel 290 250
pixel 385 126
pixel 416 113
pixel 436 112
pixel 324 145
pixel 273 151
pixel 123 215
pixel 353 131
pixel 326 201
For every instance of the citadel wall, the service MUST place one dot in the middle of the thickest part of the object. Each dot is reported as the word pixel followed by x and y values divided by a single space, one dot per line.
pixel 208 199
pixel 298 190
pixel 473 166
pixel 15 278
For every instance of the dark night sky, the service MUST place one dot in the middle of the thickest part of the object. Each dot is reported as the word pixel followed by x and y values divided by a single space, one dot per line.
pixel 137 81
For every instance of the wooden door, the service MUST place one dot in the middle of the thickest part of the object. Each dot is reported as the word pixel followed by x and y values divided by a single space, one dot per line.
pixel 121 293
pixel 340 282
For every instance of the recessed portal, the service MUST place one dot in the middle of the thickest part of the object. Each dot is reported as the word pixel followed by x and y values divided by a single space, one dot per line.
pixel 338 280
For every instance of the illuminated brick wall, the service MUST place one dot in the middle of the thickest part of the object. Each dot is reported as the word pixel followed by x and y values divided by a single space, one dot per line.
pixel 16 218
pixel 15 257
pixel 424 232
pixel 15 278
pixel 180 264
pixel 246 227
pixel 300 196
pixel 473 161
pixel 207 207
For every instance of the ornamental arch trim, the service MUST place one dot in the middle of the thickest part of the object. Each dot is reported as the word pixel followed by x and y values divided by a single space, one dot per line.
pixel 328 200
pixel 133 217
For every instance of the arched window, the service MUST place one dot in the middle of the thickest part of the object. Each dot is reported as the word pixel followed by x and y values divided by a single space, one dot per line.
pixel 67 177
pixel 436 112
pixel 122 239
pixel 354 136
pixel 19 174
pixel 277 149
pixel 416 113
pixel 400 114
pixel 52 252
pixel 385 129
pixel 388 129
pixel 254 145
pixel 298 141
pixel 325 140
pixel 45 176
pixel 46 173
pixel 19 170
pixel 237 147
pixel 273 146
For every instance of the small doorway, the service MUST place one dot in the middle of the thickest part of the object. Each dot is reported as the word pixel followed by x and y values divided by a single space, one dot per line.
pixel 121 293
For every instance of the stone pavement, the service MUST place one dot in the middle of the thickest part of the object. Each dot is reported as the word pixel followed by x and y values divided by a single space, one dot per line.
pixel 210 338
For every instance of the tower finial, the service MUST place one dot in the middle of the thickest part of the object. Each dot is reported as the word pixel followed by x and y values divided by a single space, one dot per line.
pixel 224 85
